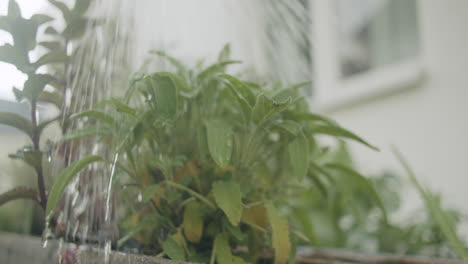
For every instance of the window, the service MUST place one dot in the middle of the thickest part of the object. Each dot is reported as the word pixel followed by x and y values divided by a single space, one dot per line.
pixel 363 48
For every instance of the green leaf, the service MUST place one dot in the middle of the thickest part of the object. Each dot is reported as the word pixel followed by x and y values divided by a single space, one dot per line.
pixel 240 88
pixel 51 57
pixel 94 114
pixel 265 108
pixel 165 94
pixel 217 67
pixel 193 221
pixel 290 126
pixel 63 8
pixel 51 45
pixel 12 55
pixel 220 143
pixel 362 181
pixel 16 121
pixel 222 249
pixel 35 84
pixel 81 6
pixel 228 197
pixel 28 155
pixel 64 178
pixel 44 124
pixel 292 92
pixel 280 234
pixel 40 19
pixel 13 9
pixel 148 221
pixel 178 64
pixel 51 97
pixel 50 30
pixel 120 106
pixel 225 53
pixel 149 192
pixel 173 250
pixel 337 131
pixel 442 219
pixel 76 27
pixel 88 131
pixel 298 151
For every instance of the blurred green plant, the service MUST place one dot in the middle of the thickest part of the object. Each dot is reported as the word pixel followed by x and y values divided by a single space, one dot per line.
pixel 39 87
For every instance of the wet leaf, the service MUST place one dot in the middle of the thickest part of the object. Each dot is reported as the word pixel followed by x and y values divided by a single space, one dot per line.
pixel 225 53
pixel 173 250
pixel 51 45
pixel 51 57
pixel 96 115
pixel 149 192
pixel 220 143
pixel 12 55
pixel 217 67
pixel 16 121
pixel 64 178
pixel 228 197
pixel 193 222
pixel 240 88
pixel 63 8
pixel 280 235
pixel 46 123
pixel 81 6
pixel 35 84
pixel 88 131
pixel 265 109
pixel 165 94
pixel 76 27
pixel 298 151
pixel 54 98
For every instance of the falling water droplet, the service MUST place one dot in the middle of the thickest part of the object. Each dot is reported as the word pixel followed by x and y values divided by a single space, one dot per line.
pixel 107 251
pixel 140 197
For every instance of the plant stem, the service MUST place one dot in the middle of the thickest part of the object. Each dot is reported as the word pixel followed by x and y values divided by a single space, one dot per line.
pixel 18 193
pixel 195 194
pixel 36 139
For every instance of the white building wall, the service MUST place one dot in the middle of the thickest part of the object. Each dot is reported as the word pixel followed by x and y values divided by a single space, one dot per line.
pixel 428 123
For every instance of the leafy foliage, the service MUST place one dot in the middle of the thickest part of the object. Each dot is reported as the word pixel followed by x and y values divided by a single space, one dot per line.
pixel 216 158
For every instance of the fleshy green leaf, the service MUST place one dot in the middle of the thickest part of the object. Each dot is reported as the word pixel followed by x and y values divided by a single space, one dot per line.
pixel 35 84
pixel 228 197
pixel 81 6
pixel 240 88
pixel 94 114
pixel 193 222
pixel 16 121
pixel 220 143
pixel 173 250
pixel 299 156
pixel 290 126
pixel 120 106
pixel 63 8
pixel 225 53
pixel 265 108
pixel 165 94
pixel 40 19
pixel 44 124
pixel 149 192
pixel 51 57
pixel 64 178
pixel 50 30
pixel 28 155
pixel 280 235
pixel 337 131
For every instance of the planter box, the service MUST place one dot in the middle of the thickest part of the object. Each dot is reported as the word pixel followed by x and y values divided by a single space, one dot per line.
pixel 18 249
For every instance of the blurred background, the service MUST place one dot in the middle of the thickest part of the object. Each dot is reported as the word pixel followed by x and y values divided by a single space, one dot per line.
pixel 392 71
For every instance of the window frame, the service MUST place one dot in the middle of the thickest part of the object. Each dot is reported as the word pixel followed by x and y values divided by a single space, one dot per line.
pixel 330 90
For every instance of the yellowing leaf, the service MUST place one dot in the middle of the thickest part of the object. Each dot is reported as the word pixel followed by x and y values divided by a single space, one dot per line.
pixel 228 197
pixel 280 235
pixel 193 222
pixel 255 215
